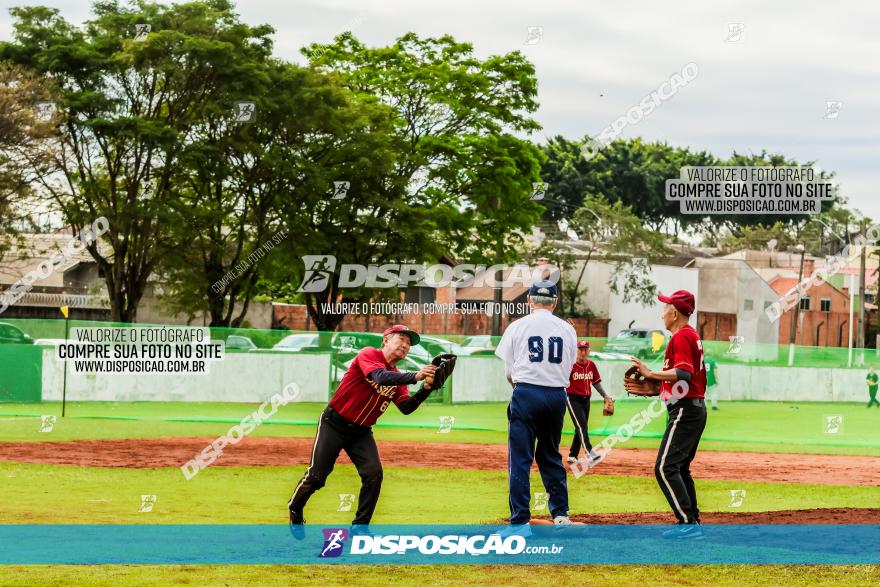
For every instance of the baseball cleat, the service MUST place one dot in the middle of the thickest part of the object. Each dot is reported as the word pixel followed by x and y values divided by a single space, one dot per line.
pixel 572 460
pixel 523 530
pixel 562 521
pixel 296 527
pixel 685 532
pixel 360 530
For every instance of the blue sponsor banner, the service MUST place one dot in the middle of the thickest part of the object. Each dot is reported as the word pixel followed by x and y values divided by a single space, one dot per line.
pixel 433 544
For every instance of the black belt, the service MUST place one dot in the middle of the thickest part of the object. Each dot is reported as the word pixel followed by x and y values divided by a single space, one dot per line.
pixel 691 401
pixel 340 421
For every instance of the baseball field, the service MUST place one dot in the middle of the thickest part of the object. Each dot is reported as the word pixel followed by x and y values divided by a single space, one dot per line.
pixel 119 463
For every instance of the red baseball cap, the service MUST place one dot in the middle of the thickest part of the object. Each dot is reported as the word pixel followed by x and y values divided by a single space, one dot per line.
pixel 583 344
pixel 413 336
pixel 683 301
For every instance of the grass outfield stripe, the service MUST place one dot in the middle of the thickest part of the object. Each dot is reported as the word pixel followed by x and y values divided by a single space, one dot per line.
pixel 424 426
pixel 238 420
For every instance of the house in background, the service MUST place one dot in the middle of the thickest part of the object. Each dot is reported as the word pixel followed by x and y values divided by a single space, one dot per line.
pixel 75 282
pixel 78 283
pixel 733 300
pixel 823 318
pixel 609 307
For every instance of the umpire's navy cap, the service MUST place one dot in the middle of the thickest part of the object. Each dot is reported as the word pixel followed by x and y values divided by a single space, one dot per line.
pixel 544 288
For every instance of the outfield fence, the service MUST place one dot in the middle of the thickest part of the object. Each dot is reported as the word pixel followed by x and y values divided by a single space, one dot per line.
pixel 259 362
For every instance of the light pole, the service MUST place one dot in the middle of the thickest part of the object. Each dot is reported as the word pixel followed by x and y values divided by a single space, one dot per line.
pixel 66 311
pixel 852 303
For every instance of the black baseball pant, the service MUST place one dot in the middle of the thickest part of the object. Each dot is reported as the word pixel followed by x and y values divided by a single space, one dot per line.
pixel 336 434
pixel 687 420
pixel 579 410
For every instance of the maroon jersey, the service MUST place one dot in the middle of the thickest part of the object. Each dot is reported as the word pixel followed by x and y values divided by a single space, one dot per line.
pixel 582 378
pixel 361 401
pixel 685 352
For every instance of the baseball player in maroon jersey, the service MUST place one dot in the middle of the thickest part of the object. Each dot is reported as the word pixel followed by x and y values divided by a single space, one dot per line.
pixel 584 376
pixel 370 385
pixel 682 385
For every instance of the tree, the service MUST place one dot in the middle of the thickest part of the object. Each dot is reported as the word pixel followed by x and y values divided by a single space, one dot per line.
pixel 616 235
pixel 459 181
pixel 776 237
pixel 830 231
pixel 629 171
pixel 129 106
pixel 23 130
pixel 250 185
pixel 635 173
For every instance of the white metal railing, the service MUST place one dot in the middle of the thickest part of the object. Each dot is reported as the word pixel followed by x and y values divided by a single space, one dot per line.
pixel 63 299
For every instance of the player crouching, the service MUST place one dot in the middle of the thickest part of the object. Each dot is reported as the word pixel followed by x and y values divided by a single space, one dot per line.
pixel 371 383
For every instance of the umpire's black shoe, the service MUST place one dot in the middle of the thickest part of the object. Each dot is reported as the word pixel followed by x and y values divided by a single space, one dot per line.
pixel 297 530
pixel 685 532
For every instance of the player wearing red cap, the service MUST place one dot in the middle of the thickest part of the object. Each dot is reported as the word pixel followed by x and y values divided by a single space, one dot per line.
pixel 370 385
pixel 682 385
pixel 584 376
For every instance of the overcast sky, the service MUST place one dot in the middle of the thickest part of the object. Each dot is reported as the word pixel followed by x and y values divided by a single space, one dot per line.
pixel 763 85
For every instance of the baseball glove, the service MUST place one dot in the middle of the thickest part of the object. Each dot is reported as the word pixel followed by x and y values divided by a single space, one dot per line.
pixel 608 408
pixel 637 384
pixel 445 364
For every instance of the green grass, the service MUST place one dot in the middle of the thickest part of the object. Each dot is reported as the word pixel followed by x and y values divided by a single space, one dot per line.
pixel 53 494
pixel 257 495
pixel 441 575
pixel 739 426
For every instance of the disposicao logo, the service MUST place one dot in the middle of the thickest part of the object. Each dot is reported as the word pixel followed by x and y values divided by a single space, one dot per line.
pixel 334 540
pixel 443 545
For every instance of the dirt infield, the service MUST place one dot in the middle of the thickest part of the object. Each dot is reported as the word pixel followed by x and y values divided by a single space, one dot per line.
pixel 818 516
pixel 174 452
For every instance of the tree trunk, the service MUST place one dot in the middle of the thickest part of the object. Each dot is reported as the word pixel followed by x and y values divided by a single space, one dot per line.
pixel 323 322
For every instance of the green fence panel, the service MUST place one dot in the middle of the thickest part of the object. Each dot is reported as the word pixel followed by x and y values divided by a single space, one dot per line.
pixel 21 373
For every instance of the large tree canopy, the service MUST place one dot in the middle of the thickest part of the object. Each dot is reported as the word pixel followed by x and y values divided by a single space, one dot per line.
pixel 635 172
pixel 129 107
pixel 459 181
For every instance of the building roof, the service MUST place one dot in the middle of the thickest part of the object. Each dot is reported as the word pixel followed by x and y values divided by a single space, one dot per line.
pixel 782 285
pixel 27 251
pixel 763 259
pixel 486 292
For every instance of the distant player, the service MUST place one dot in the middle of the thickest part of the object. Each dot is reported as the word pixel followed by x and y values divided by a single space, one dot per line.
pixel 685 374
pixel 712 381
pixel 584 376
pixel 370 385
pixel 871 380
pixel 538 351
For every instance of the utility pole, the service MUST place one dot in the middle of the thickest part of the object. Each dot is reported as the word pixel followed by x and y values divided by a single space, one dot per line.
pixel 861 333
pixel 497 302
pixel 498 293
pixel 792 332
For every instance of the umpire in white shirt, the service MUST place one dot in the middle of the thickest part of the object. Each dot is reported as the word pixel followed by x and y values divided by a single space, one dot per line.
pixel 538 351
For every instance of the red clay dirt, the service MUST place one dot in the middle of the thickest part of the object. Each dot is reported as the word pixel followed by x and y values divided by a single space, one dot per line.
pixel 251 452
pixel 819 516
